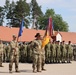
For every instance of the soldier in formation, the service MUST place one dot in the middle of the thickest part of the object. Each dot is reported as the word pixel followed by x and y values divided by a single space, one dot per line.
pixel 23 52
pixel 38 54
pixel 63 51
pixel 56 52
pixel 14 55
pixel 1 53
pixel 69 52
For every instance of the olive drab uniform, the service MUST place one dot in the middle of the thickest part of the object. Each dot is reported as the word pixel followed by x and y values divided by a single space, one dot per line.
pixel 29 53
pixel 42 58
pixel 7 49
pixel 47 53
pixel 23 53
pixel 53 52
pixel 14 55
pixel 58 53
pixel 1 54
pixel 36 46
pixel 69 52
pixel 63 52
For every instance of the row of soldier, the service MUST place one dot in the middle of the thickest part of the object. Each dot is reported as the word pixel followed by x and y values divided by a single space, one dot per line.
pixel 57 52
pixel 53 52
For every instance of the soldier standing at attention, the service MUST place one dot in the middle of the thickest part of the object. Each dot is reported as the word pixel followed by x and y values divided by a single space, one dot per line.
pixel 69 52
pixel 1 53
pixel 58 52
pixel 36 47
pixel 53 52
pixel 63 52
pixel 14 55
pixel 47 53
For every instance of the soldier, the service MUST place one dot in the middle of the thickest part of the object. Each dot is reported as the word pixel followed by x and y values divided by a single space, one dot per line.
pixel 58 52
pixel 63 52
pixel 29 52
pixel 53 52
pixel 47 53
pixel 7 49
pixel 1 53
pixel 14 54
pixel 23 52
pixel 36 44
pixel 69 52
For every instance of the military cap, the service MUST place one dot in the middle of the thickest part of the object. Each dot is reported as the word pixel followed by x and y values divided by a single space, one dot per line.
pixel 14 35
pixel 37 34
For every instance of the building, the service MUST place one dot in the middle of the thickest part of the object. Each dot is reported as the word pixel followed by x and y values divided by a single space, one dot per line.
pixel 28 35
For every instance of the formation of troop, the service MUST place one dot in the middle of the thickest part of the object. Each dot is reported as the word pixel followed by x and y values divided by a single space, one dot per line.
pixel 53 52
pixel 57 52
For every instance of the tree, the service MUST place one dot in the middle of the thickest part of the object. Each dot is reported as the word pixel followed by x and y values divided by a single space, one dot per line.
pixel 21 10
pixel 10 13
pixel 36 12
pixel 6 8
pixel 58 22
pixel 1 15
pixel 16 12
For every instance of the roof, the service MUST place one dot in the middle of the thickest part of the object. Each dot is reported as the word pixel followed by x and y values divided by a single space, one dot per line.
pixel 69 36
pixel 28 34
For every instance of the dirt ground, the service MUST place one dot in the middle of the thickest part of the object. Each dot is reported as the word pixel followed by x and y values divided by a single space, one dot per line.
pixel 51 69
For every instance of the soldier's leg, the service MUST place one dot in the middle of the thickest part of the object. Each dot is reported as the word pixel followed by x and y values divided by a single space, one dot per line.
pixel 16 63
pixel 0 60
pixel 43 61
pixel 11 63
pixel 34 66
pixel 39 63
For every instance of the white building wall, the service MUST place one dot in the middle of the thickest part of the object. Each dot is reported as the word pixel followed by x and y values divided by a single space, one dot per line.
pixel 58 37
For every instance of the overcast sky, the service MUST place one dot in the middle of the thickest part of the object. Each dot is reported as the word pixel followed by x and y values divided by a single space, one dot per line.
pixel 66 8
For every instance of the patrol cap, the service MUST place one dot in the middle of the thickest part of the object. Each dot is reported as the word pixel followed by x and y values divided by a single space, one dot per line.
pixel 37 34
pixel 14 35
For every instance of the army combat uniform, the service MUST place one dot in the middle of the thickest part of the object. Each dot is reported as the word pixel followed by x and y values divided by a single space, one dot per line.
pixel 36 44
pixel 69 53
pixel 58 53
pixel 47 53
pixel 53 52
pixel 1 54
pixel 63 53
pixel 14 56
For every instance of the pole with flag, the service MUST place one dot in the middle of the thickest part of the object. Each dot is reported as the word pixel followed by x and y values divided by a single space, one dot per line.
pixel 21 29
pixel 48 33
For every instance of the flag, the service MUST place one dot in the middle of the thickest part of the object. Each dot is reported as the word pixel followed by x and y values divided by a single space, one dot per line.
pixel 50 27
pixel 46 39
pixel 48 33
pixel 21 28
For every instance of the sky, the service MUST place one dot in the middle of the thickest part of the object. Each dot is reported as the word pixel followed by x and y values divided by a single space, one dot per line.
pixel 66 8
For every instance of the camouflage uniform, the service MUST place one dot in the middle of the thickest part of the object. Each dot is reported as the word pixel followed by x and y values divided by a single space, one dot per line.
pixel 14 55
pixel 1 53
pixel 36 44
pixel 23 53
pixel 58 52
pixel 7 50
pixel 63 52
pixel 29 53
pixel 69 52
pixel 47 53
pixel 42 59
pixel 53 52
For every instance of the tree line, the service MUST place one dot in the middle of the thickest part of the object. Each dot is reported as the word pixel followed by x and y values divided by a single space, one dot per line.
pixel 33 16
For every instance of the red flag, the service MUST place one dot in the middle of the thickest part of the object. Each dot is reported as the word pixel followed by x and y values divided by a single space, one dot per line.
pixel 50 27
